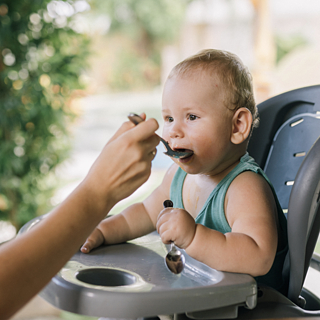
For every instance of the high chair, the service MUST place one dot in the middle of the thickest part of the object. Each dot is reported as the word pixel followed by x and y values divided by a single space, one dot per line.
pixel 130 280
pixel 287 147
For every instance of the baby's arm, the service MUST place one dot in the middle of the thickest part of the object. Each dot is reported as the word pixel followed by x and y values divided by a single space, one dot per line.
pixel 251 246
pixel 129 224
pixel 135 221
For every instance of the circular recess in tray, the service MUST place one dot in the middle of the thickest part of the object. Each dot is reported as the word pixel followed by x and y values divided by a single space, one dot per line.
pixel 106 277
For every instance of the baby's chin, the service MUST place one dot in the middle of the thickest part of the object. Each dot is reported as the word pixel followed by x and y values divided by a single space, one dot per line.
pixel 188 165
pixel 191 166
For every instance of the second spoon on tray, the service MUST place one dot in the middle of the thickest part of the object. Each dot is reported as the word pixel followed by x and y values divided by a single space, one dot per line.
pixel 174 259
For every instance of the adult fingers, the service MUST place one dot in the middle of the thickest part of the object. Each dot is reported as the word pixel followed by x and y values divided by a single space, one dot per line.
pixel 124 127
pixel 143 116
pixel 144 130
pixel 143 134
pixel 153 154
pixel 125 163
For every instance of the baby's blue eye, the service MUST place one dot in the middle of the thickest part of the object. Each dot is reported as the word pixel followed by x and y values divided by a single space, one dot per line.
pixel 169 119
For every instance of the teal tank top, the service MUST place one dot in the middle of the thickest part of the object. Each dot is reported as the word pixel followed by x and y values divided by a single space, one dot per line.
pixel 212 216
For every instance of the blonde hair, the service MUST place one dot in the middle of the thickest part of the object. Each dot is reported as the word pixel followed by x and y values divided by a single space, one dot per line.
pixel 231 71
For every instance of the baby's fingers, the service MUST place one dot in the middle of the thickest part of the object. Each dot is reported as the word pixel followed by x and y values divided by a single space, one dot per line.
pixel 166 236
pixel 88 246
pixel 94 240
pixel 163 217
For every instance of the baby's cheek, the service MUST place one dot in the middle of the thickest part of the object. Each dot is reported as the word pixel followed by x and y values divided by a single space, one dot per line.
pixel 209 145
pixel 165 133
pixel 198 137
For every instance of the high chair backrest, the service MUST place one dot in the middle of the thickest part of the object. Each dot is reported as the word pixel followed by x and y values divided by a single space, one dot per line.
pixel 289 126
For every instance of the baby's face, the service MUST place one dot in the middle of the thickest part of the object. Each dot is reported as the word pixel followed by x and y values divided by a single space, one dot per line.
pixel 196 118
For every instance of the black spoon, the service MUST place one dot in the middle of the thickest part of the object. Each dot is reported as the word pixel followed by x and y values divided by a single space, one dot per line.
pixel 136 119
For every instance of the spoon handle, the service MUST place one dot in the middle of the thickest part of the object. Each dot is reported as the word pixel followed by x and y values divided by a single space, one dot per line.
pixel 169 204
pixel 137 119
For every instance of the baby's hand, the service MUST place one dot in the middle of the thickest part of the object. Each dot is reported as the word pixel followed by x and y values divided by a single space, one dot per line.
pixel 176 225
pixel 95 240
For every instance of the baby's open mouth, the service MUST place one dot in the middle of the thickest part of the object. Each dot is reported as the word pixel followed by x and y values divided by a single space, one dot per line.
pixel 188 151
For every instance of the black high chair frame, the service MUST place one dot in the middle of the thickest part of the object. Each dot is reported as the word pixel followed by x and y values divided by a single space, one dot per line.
pixel 287 146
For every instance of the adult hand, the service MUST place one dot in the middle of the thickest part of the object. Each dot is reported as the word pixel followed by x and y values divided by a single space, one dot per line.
pixel 29 261
pixel 125 162
pixel 176 225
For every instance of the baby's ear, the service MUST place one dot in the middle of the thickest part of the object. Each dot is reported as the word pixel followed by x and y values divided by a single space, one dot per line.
pixel 241 125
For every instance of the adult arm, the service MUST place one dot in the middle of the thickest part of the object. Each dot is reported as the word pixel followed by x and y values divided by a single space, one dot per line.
pixel 29 261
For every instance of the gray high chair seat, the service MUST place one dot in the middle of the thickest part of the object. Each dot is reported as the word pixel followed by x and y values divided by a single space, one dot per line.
pixel 287 146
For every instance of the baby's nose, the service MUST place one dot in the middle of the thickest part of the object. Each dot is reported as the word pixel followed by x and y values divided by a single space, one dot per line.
pixel 176 131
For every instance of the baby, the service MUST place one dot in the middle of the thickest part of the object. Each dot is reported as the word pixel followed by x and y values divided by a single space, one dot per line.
pixel 226 213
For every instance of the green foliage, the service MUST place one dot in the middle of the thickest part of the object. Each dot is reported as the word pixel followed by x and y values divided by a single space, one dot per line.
pixel 156 20
pixel 287 44
pixel 41 59
pixel 143 27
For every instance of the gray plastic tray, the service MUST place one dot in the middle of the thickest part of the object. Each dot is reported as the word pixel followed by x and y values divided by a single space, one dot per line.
pixel 130 280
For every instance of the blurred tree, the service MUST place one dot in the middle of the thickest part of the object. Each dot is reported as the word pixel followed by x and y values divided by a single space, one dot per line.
pixel 41 59
pixel 286 44
pixel 139 30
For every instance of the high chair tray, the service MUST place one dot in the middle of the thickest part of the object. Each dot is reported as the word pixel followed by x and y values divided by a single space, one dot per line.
pixel 131 280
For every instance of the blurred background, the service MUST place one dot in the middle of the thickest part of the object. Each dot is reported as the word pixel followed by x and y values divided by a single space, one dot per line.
pixel 71 71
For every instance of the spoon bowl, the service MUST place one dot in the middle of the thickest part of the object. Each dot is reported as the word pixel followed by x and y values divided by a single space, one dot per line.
pixel 136 119
pixel 175 260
